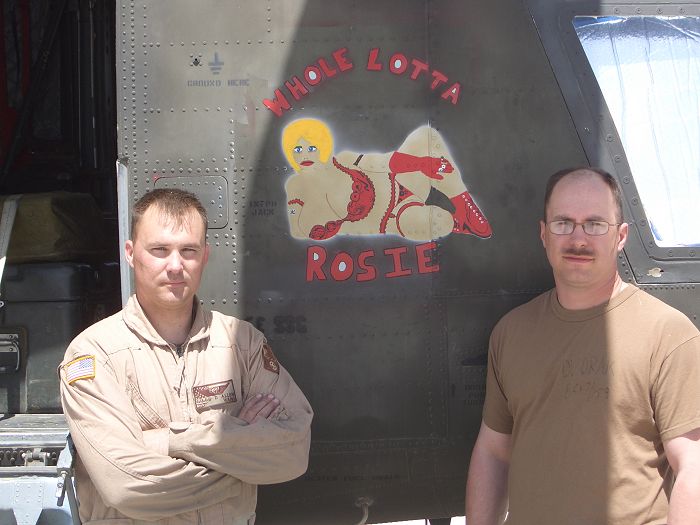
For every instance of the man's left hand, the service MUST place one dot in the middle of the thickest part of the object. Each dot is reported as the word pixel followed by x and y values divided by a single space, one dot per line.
pixel 258 408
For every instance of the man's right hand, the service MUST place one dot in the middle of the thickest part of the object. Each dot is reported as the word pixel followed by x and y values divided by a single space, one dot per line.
pixel 258 407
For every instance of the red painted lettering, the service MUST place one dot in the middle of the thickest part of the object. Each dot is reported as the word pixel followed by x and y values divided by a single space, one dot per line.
pixel 369 273
pixel 372 64
pixel 425 259
pixel 452 93
pixel 398 271
pixel 278 104
pixel 312 75
pixel 439 79
pixel 418 68
pixel 343 62
pixel 315 73
pixel 297 89
pixel 315 257
pixel 330 72
pixel 398 63
pixel 342 267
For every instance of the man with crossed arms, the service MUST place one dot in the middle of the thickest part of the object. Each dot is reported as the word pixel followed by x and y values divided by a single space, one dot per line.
pixel 177 413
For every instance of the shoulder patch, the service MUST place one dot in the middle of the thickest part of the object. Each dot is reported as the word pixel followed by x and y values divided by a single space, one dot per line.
pixel 269 360
pixel 81 368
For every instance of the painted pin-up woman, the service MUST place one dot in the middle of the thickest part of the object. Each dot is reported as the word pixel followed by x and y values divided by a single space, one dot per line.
pixel 414 192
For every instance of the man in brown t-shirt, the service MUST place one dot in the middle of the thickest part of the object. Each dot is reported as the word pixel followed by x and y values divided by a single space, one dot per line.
pixel 593 389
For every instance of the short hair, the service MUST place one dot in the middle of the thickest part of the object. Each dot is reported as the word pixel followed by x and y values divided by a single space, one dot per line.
pixel 173 204
pixel 608 179
pixel 311 129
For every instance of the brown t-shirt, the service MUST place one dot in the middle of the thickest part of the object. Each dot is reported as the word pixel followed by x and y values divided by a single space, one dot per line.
pixel 589 396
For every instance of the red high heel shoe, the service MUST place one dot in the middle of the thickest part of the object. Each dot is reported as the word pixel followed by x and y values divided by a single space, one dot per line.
pixel 468 218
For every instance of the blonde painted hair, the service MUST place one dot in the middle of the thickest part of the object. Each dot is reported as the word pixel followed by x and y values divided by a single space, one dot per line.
pixel 311 129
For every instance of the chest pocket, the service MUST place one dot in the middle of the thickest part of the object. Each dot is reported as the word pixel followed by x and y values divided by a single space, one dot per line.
pixel 219 381
pixel 148 417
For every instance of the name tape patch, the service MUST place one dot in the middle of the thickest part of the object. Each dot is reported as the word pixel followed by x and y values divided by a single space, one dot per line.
pixel 80 368
pixel 214 394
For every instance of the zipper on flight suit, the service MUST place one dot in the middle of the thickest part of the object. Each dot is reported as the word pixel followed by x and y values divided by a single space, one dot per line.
pixel 180 353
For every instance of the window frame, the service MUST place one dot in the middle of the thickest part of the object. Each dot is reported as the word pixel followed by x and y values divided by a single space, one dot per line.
pixel 642 259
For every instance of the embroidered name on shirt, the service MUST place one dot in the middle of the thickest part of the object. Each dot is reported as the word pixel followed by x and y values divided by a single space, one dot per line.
pixel 269 360
pixel 214 394
pixel 80 368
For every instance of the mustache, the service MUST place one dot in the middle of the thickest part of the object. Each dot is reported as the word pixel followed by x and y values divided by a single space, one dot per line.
pixel 579 252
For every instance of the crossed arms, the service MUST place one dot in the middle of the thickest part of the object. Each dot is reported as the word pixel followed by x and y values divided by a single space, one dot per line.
pixel 160 472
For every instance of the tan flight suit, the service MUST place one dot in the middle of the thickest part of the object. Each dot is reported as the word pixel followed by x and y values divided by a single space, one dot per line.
pixel 157 435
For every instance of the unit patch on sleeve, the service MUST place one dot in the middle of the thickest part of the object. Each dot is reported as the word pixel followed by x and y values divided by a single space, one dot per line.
pixel 214 394
pixel 269 360
pixel 81 368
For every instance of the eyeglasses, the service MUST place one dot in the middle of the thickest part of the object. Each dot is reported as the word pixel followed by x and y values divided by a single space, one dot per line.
pixel 566 227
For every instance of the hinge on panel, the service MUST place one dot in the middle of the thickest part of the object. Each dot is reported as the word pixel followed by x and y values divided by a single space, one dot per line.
pixel 36 458
pixel 9 353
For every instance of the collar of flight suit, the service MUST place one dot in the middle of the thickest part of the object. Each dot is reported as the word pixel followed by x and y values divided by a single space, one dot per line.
pixel 135 319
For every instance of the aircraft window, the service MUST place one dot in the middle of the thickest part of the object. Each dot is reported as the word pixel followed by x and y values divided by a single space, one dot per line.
pixel 648 69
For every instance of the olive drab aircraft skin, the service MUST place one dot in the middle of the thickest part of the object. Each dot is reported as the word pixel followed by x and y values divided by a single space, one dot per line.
pixel 374 175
